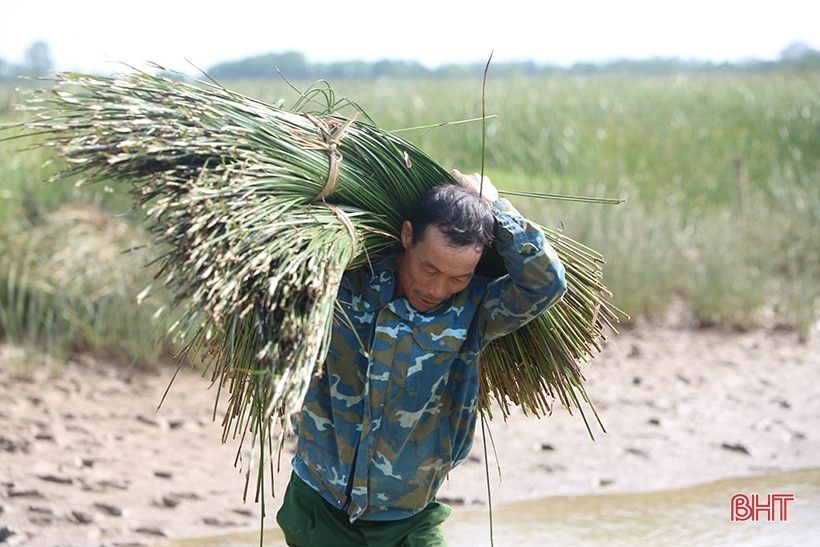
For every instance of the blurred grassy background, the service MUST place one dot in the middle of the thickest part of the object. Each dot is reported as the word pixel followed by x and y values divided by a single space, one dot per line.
pixel 721 174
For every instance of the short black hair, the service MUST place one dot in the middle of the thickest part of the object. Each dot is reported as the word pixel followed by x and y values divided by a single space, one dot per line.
pixel 458 212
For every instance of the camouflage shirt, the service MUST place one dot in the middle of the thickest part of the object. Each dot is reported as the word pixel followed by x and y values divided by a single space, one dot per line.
pixel 395 407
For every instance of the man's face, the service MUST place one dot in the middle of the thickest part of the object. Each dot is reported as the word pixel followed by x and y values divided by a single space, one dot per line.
pixel 432 270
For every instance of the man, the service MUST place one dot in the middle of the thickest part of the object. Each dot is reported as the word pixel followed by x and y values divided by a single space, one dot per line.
pixel 395 407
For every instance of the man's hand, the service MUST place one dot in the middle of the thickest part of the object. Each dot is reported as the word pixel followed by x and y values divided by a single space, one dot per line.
pixel 484 187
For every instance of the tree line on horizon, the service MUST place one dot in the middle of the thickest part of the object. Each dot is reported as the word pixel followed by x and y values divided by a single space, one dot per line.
pixel 36 62
pixel 295 65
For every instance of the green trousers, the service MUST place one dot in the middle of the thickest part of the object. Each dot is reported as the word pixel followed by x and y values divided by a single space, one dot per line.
pixel 307 520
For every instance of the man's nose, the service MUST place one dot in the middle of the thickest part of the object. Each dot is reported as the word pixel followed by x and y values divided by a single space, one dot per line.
pixel 438 290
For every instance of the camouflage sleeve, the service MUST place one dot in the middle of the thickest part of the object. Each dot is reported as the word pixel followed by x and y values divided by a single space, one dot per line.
pixel 535 276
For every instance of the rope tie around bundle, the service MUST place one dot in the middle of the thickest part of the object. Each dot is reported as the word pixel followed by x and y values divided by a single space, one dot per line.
pixel 331 138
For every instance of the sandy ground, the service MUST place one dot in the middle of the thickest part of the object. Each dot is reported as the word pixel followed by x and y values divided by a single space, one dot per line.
pixel 87 459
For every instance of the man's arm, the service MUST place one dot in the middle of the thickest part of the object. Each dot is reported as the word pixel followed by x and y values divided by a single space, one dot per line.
pixel 535 276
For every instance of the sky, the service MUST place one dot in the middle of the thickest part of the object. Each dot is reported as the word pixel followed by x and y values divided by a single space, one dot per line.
pixel 96 35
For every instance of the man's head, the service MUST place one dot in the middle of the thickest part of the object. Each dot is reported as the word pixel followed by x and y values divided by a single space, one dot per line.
pixel 443 241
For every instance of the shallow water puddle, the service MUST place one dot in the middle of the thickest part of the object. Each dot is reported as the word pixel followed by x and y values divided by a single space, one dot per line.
pixel 700 515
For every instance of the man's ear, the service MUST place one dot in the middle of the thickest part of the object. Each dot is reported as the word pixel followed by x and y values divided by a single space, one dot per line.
pixel 406 234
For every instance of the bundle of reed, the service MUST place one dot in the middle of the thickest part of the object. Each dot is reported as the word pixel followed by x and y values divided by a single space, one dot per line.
pixel 263 208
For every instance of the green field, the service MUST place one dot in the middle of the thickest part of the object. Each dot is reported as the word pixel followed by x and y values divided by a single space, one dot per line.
pixel 720 173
